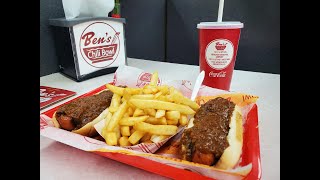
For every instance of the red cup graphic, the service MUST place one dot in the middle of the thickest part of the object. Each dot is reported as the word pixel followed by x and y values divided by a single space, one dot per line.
pixel 218 45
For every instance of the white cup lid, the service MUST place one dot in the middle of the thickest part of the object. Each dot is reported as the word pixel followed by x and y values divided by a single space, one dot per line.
pixel 220 25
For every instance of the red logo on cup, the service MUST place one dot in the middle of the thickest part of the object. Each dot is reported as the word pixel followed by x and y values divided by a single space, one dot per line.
pixel 219 53
pixel 145 79
pixel 99 44
pixel 220 46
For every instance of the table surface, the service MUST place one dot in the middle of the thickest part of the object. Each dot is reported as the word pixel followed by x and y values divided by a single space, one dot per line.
pixel 60 161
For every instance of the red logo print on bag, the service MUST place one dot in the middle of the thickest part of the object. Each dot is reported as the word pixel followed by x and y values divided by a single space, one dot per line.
pixel 144 79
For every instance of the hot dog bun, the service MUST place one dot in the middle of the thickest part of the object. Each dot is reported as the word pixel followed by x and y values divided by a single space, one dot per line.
pixel 88 129
pixel 230 155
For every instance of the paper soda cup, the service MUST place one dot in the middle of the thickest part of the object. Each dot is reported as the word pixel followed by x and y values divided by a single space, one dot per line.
pixel 218 45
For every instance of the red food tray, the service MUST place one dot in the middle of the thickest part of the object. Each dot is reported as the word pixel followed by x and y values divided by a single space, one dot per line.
pixel 251 151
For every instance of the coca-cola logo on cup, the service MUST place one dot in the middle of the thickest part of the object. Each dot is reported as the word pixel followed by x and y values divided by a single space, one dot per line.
pixel 144 79
pixel 217 74
pixel 99 44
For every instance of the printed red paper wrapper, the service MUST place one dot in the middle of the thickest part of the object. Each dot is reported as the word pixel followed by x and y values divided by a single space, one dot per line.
pixel 164 161
pixel 50 95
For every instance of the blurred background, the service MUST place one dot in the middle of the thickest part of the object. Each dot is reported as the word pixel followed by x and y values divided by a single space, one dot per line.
pixel 165 30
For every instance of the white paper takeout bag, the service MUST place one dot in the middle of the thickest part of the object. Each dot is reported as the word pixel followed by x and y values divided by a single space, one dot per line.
pixel 87 8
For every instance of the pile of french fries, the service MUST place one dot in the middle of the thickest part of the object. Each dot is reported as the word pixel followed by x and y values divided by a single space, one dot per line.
pixel 145 115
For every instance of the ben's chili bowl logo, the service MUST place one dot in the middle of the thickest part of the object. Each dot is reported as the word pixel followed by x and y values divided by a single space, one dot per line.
pixel 99 44
pixel 144 79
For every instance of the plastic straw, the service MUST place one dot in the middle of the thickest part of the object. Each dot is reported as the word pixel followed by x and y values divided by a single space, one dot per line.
pixel 220 12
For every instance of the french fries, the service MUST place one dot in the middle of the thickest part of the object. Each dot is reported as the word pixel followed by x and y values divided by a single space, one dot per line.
pixel 145 115
pixel 156 129
pixel 156 121
pixel 143 96
pixel 138 112
pixel 154 79
pixel 157 138
pixel 117 116
pixel 147 91
pixel 108 118
pixel 157 95
pixel 136 136
pixel 183 120
pixel 173 115
pixel 172 121
pixel 130 111
pixel 164 89
pixel 124 141
pixel 115 89
pixel 130 121
pixel 117 131
pixel 160 113
pixel 111 138
pixel 177 97
pixel 125 130
pixel 126 95
pixel 151 112
pixel 155 104
pixel 126 115
pixel 133 91
pixel 115 103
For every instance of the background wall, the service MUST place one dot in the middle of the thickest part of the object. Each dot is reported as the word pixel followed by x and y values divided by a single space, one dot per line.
pixel 259 46
pixel 145 28
pixel 165 30
pixel 48 58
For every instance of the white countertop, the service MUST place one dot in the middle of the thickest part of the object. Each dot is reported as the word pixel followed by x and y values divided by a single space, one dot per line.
pixel 59 161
